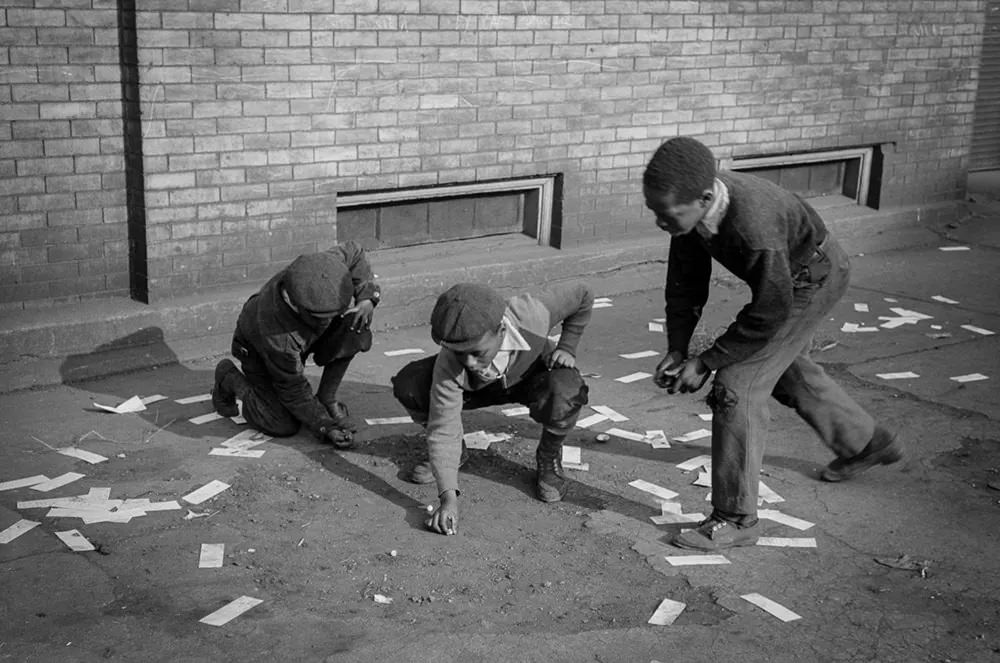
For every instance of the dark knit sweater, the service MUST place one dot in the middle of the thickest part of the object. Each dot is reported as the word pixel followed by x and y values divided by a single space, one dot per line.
pixel 765 238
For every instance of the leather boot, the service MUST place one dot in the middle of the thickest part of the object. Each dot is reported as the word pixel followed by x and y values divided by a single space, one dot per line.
pixel 551 484
pixel 229 383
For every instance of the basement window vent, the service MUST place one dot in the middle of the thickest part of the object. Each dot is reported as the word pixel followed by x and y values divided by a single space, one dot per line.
pixel 852 173
pixel 408 217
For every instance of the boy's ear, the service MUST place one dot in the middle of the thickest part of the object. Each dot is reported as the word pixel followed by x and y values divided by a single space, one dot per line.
pixel 707 196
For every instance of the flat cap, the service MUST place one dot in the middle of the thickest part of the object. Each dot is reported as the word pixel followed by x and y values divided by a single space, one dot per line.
pixel 464 313
pixel 319 284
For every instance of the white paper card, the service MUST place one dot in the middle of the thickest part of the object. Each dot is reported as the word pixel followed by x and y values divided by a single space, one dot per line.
pixel 236 453
pixel 772 607
pixel 156 398
pixel 591 420
pixel 666 612
pixel 704 480
pixel 656 327
pixel 705 417
pixel 571 455
pixel 675 518
pixel 57 482
pixel 657 439
pixel 200 398
pixel 693 435
pixel 634 377
pixel 480 439
pixel 205 418
pixel 653 489
pixel 17 529
pixel 230 611
pixel 75 541
pixel 970 377
pixel 389 420
pixel 902 375
pixel 209 490
pixel 767 495
pixel 693 560
pixel 784 519
pixel 695 463
pixel 133 404
pixel 953 248
pixel 211 555
pixel 626 434
pixel 640 355
pixel 518 411
pixel 82 454
pixel 404 351
pixel 246 439
pixel 23 483
pixel 943 299
pixel 861 307
pixel 598 304
pixel 786 542
pixel 977 330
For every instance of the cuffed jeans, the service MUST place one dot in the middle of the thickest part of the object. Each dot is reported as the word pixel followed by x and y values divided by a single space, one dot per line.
pixel 782 368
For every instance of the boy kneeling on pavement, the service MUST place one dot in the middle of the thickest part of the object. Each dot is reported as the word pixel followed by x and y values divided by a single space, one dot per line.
pixel 494 352
pixel 305 309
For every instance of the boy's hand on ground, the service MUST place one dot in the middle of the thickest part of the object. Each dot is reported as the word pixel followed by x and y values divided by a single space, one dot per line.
pixel 667 371
pixel 362 312
pixel 692 376
pixel 445 519
pixel 561 359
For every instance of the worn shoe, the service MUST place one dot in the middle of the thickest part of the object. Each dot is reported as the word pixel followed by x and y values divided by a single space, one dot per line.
pixel 883 449
pixel 223 397
pixel 551 484
pixel 714 534
pixel 422 472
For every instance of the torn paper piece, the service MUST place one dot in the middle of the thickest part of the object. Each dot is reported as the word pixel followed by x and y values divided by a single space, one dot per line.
pixel 57 482
pixel 239 420
pixel 677 518
pixel 892 323
pixel 191 515
pixel 640 355
pixel 156 398
pixel 571 454
pixel 786 542
pixel 133 404
pixel 657 439
pixel 861 307
pixel 903 375
pixel 693 435
pixel 82 454
pixel 653 489
pixel 602 300
pixel 704 480
pixel 230 611
pixel 205 418
pixel 977 330
pixel 692 560
pixel 75 541
pixel 611 414
pixel 480 439
pixel 389 420
pixel 705 417
pixel 910 315
pixel 696 462
pixel 586 422
pixel 953 248
pixel 17 529
pixel 890 300
pixel 384 600
pixel 852 327
pixel 765 494
pixel 971 377
pixel 404 351
pixel 200 398
pixel 211 555
pixel 666 612
pixel 208 491
pixel 634 377
pixel 518 411
pixel 784 519
pixel 236 453
pixel 23 483
pixel 769 606
pixel 246 439
pixel 626 434
pixel 598 304
pixel 943 299
pixel 656 327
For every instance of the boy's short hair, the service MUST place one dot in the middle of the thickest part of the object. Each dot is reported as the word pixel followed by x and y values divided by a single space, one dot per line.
pixel 682 165
pixel 464 313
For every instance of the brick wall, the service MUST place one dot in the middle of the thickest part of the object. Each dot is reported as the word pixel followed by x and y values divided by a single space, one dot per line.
pixel 255 113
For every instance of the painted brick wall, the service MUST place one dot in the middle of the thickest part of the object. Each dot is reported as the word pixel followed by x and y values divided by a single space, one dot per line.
pixel 256 113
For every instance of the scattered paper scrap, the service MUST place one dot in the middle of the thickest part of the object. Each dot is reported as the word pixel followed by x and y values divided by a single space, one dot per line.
pixel 765 494
pixel 786 542
pixel 676 518
pixel 404 351
pixel 191 515
pixel 668 611
pixel 640 355
pixel 611 414
pixel 236 453
pixel 861 307
pixel 586 422
pixel 384 600
pixel 246 439
pixel 977 330
pixel 75 541
pixel 703 460
pixel 626 434
pixel 17 529
pixel 953 248
pixel 890 300
pixel 211 555
pixel 902 375
pixel 230 611
pixel 480 439
pixel 57 482
pixel 704 480
pixel 670 507
pixel 657 439
pixel 518 411
pixel 705 417
pixel 771 607
pixel 82 454
pixel 388 420
pixel 23 483
pixel 634 377
pixel 133 404
pixel 970 377
pixel 852 327
pixel 910 315
pixel 656 327
pixel 598 304
pixel 943 299
pixel 653 489
pixel 693 560
pixel 602 299
pixel 209 490
pixel 205 418
pixel 200 398
pixel 784 519
pixel 571 454
pixel 693 435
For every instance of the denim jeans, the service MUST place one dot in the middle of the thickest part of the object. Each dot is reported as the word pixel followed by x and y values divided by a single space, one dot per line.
pixel 782 368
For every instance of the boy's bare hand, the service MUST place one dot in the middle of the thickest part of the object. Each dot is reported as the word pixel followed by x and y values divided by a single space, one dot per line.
pixel 668 370
pixel 445 519
pixel 561 359
pixel 362 315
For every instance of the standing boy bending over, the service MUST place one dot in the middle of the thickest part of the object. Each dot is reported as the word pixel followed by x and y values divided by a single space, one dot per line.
pixel 493 352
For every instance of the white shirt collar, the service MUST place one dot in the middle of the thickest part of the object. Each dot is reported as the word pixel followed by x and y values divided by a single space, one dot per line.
pixel 709 225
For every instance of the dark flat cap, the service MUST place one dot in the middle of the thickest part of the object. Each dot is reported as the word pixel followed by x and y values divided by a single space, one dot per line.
pixel 464 313
pixel 319 284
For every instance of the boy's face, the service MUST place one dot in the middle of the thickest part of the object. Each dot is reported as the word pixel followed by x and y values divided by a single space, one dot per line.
pixel 674 217
pixel 479 356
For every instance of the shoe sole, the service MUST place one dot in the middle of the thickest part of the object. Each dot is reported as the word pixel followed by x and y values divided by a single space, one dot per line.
pixel 888 456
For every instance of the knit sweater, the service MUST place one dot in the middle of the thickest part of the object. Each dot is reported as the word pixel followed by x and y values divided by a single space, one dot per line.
pixel 766 237
pixel 532 315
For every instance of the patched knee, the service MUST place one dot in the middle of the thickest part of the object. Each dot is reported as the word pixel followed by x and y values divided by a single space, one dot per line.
pixel 721 398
